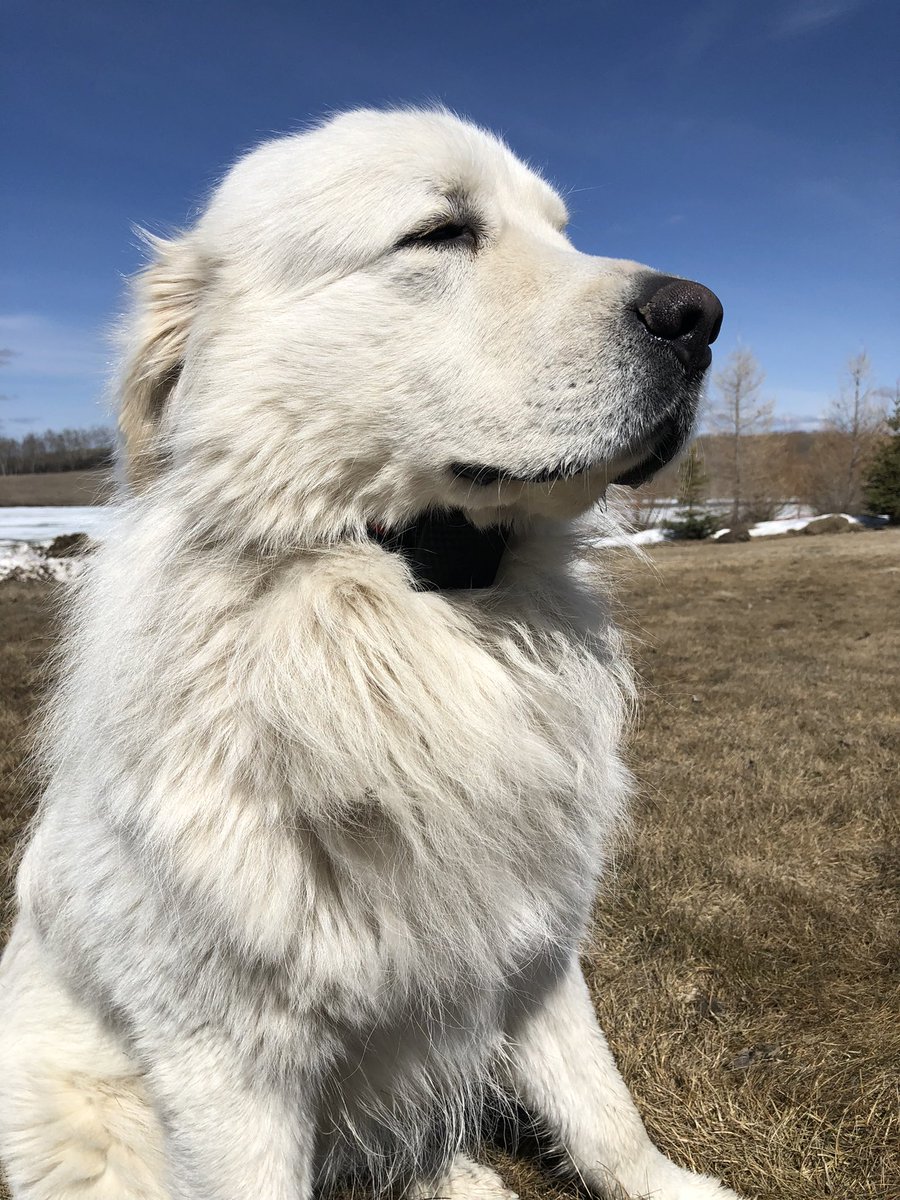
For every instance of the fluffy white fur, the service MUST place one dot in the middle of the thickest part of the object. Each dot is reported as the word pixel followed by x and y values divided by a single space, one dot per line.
pixel 317 849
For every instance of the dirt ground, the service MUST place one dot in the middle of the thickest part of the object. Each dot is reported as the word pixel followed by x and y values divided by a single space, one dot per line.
pixel 744 955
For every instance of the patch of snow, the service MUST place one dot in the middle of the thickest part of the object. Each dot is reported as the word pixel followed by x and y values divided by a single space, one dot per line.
pixel 642 537
pixel 650 537
pixel 780 525
pixel 656 535
pixel 786 524
pixel 26 533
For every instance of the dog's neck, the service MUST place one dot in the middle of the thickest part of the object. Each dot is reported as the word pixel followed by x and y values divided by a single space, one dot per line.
pixel 445 551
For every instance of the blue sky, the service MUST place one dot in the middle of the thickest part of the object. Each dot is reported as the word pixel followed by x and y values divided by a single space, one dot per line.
pixel 750 146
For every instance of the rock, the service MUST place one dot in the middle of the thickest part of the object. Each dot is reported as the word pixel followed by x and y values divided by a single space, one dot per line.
pixel 833 523
pixel 738 533
pixel 68 545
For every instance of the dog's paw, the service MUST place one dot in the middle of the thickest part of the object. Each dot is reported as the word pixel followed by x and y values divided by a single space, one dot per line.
pixel 663 1180
pixel 465 1180
pixel 686 1185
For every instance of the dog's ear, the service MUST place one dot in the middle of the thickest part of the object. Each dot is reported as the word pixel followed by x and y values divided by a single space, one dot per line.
pixel 165 298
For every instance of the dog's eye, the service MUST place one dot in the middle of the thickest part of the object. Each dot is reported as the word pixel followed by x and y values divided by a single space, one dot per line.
pixel 451 234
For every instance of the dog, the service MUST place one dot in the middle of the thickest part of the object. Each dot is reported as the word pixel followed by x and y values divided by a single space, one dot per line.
pixel 333 765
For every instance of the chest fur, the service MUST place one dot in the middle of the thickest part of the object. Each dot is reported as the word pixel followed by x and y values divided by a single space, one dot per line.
pixel 352 791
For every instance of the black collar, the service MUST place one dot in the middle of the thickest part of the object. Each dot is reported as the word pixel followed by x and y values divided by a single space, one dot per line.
pixel 445 551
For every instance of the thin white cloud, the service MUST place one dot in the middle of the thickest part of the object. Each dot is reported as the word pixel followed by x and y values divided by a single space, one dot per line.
pixel 799 408
pixel 788 422
pixel 807 16
pixel 44 347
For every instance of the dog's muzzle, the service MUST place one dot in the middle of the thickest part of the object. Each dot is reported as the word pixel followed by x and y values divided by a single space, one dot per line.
pixel 669 323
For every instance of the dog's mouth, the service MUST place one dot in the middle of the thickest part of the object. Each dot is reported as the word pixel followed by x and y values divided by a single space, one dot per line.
pixel 645 457
pixel 483 475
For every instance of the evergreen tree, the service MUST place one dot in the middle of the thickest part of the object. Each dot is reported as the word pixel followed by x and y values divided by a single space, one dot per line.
pixel 692 520
pixel 882 481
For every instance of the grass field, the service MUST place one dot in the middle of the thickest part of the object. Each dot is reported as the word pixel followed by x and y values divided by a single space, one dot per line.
pixel 56 487
pixel 744 957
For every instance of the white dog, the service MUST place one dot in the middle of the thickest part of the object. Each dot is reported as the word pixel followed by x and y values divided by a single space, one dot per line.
pixel 333 765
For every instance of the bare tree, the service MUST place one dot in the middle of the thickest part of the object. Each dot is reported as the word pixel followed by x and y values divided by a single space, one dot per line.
pixel 740 415
pixel 851 430
pixel 857 415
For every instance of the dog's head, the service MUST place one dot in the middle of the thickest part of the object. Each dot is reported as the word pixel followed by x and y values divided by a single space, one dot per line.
pixel 385 315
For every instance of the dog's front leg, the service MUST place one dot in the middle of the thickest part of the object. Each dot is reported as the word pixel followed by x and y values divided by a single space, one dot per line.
pixel 562 1071
pixel 230 1131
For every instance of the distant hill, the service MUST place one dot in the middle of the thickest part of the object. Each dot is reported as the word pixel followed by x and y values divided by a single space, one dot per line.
pixel 55 487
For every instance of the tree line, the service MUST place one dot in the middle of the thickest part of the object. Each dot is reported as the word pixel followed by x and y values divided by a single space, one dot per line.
pixel 762 472
pixel 57 450
pixel 746 470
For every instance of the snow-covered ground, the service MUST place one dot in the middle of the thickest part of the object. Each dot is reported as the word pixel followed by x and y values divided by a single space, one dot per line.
pixel 786 524
pixel 640 537
pixel 42 523
pixel 25 533
pixel 25 560
pixel 656 534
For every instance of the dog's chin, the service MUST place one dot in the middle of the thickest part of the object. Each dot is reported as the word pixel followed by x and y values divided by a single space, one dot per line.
pixel 631 465
pixel 655 453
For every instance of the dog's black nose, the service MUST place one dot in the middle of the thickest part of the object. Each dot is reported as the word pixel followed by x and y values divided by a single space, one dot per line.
pixel 684 314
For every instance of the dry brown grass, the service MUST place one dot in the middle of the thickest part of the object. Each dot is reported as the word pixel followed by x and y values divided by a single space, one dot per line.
pixel 56 487
pixel 28 631
pixel 755 915
pixel 744 958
